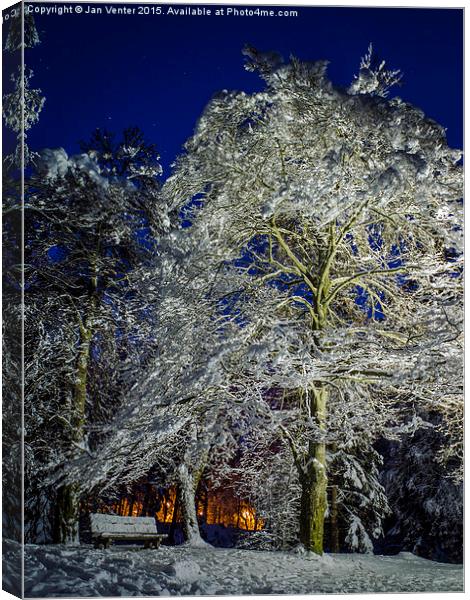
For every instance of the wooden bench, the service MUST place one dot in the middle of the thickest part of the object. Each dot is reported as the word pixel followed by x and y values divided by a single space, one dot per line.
pixel 110 528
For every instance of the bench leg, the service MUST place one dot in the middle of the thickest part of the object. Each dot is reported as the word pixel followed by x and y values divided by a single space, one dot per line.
pixel 153 544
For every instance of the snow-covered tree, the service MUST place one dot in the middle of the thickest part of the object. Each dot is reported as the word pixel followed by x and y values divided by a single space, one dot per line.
pixel 276 434
pixel 85 231
pixel 21 107
pixel 361 501
pixel 182 406
pixel 130 157
pixel 312 306
pixel 347 204
pixel 427 502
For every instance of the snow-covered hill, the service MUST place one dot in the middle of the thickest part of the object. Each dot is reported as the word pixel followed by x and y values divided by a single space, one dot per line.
pixel 124 571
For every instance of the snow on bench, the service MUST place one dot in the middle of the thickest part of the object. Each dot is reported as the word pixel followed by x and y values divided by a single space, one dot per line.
pixel 108 528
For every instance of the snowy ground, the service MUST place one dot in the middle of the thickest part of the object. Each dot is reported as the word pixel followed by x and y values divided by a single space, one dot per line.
pixel 123 571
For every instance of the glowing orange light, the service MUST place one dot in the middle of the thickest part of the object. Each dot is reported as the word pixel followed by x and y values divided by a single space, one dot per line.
pixel 217 507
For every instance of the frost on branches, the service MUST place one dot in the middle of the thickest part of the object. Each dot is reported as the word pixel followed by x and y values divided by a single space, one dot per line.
pixel 347 207
pixel 88 332
pixel 288 302
pixel 21 108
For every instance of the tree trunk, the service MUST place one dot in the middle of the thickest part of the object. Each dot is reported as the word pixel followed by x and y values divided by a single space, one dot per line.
pixel 147 501
pixel 66 515
pixel 188 481
pixel 314 481
pixel 68 495
pixel 188 505
pixel 206 505
pixel 334 537
pixel 174 520
pixel 187 484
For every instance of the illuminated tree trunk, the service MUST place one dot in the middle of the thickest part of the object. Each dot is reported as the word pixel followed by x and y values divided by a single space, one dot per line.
pixel 188 479
pixel 314 481
pixel 188 482
pixel 187 487
pixel 68 495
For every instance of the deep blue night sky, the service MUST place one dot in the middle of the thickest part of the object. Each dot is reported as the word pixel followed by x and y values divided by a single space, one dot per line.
pixel 158 72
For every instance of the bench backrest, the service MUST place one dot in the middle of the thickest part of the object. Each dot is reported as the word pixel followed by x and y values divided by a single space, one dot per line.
pixel 101 523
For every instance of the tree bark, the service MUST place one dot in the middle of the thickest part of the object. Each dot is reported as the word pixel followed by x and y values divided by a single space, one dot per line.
pixel 314 481
pixel 187 487
pixel 66 515
pixel 147 501
pixel 206 505
pixel 188 482
pixel 334 537
pixel 68 495
pixel 176 515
